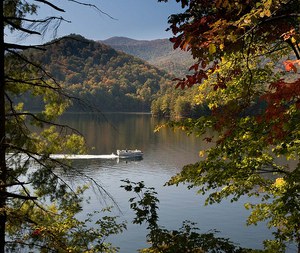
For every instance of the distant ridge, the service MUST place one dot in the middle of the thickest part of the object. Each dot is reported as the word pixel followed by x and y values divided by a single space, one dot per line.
pixel 120 41
pixel 144 49
pixel 159 53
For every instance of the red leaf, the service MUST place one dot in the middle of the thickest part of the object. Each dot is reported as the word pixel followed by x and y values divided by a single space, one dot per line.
pixel 36 232
pixel 289 65
pixel 194 67
pixel 191 79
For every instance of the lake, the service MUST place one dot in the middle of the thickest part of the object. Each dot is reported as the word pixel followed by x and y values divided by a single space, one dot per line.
pixel 165 153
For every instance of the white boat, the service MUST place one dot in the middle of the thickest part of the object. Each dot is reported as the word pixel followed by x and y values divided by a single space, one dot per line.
pixel 129 153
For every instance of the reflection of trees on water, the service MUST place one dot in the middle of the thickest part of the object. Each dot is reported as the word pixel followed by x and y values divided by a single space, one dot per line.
pixel 109 132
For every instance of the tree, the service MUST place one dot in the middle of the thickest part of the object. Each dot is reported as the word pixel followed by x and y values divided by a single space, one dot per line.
pixel 247 58
pixel 185 239
pixel 182 107
pixel 37 207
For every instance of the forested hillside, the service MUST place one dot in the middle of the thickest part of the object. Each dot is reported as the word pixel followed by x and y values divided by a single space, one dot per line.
pixel 101 76
pixel 159 53
pixel 109 80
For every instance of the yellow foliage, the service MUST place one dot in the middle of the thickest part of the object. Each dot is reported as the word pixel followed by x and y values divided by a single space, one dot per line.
pixel 212 49
pixel 201 153
pixel 279 182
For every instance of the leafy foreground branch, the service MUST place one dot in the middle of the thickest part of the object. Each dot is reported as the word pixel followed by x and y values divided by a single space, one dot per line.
pixel 38 209
pixel 41 208
pixel 247 59
pixel 55 228
pixel 185 239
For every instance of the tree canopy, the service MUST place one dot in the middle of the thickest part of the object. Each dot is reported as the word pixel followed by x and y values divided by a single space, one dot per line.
pixel 247 59
pixel 38 208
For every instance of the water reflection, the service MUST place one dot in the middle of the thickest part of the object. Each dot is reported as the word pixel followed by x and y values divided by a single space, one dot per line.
pixel 164 155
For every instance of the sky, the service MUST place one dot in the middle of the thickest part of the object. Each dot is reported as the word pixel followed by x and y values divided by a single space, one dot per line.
pixel 136 19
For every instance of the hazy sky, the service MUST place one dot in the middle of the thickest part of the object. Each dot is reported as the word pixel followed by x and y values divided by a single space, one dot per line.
pixel 137 19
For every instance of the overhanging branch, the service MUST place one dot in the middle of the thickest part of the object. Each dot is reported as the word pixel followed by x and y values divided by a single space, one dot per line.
pixel 15 114
pixel 8 46
pixel 51 5
pixel 45 20
pixel 93 6
pixel 5 195
pixel 33 83
pixel 22 29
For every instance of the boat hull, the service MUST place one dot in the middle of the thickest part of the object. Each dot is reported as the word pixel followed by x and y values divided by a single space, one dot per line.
pixel 129 153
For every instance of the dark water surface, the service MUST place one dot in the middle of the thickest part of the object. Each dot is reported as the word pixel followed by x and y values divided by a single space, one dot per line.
pixel 164 155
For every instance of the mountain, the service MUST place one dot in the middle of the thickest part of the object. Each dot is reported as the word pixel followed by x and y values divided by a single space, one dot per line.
pixel 144 49
pixel 159 53
pixel 110 80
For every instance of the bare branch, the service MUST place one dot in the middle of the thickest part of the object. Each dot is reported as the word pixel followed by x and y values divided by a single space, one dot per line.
pixel 32 83
pixel 8 46
pixel 36 26
pixel 15 114
pixel 45 20
pixel 22 28
pixel 13 184
pixel 4 194
pixel 51 5
pixel 93 6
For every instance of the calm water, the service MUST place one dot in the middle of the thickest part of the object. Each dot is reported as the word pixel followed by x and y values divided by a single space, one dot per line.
pixel 164 155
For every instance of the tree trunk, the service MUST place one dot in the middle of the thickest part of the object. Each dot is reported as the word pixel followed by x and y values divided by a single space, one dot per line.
pixel 3 168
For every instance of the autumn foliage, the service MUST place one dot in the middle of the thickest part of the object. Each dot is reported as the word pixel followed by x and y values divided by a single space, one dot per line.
pixel 215 31
pixel 247 71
